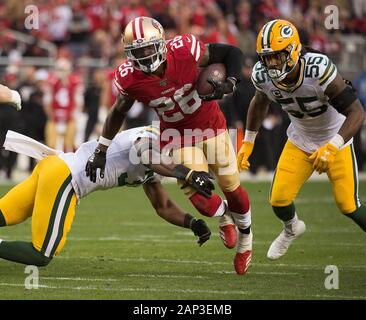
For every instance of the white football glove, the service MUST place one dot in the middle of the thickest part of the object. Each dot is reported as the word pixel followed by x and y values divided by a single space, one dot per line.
pixel 16 100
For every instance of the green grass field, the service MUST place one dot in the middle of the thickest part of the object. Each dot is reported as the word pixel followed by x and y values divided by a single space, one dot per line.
pixel 119 248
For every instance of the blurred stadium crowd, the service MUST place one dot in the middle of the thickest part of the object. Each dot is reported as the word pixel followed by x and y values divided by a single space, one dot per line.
pixel 79 42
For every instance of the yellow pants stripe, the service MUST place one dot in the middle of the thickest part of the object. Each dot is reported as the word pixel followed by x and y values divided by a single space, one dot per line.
pixel 57 218
pixel 355 177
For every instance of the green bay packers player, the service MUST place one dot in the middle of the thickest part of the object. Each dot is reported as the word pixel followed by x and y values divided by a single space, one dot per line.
pixel 50 194
pixel 325 114
pixel 10 96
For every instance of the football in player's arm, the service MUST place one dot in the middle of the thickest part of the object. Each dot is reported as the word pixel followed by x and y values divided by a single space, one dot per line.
pixel 325 114
pixel 50 194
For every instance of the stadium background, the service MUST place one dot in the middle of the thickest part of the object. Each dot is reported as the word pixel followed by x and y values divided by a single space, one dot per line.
pixel 120 249
pixel 88 33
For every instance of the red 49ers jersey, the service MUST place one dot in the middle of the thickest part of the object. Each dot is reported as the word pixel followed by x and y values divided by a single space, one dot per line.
pixel 174 96
pixel 63 97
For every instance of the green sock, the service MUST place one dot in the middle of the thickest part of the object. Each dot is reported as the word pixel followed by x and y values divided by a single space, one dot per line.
pixel 285 213
pixel 22 252
pixel 2 220
pixel 359 216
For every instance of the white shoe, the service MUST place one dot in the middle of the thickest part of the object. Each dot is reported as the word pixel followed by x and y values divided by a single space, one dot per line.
pixel 281 244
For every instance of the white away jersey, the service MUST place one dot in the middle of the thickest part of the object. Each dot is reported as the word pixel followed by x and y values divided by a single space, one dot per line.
pixel 314 121
pixel 119 170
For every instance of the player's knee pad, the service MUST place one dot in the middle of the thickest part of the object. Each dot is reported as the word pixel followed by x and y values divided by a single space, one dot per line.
pixel 275 202
pixel 279 197
pixel 206 206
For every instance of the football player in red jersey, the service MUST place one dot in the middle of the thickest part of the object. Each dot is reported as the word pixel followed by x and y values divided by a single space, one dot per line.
pixel 162 74
pixel 63 96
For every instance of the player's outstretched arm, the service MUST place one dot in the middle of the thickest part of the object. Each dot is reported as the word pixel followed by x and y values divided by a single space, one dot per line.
pixel 171 212
pixel 149 153
pixel 10 96
pixel 111 127
pixel 257 111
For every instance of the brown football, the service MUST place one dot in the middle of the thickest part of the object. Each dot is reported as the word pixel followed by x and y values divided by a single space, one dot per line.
pixel 216 71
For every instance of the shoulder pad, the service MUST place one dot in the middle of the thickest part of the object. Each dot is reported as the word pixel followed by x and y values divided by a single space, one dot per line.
pixel 123 77
pixel 187 46
pixel 320 67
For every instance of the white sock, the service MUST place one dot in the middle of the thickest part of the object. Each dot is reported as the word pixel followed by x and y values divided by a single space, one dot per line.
pixel 242 221
pixel 290 223
pixel 1 240
pixel 244 242
pixel 220 210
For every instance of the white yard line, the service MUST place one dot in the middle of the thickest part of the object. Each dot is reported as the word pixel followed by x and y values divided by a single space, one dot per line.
pixel 178 261
pixel 123 276
pixel 192 239
pixel 260 273
pixel 188 291
pixel 78 279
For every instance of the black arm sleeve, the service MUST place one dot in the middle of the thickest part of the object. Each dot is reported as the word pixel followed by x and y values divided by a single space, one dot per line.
pixel 344 99
pixel 232 57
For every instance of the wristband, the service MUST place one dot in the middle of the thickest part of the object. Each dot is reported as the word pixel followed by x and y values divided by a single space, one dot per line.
pixel 249 136
pixel 188 219
pixel 104 141
pixel 337 141
pixel 181 172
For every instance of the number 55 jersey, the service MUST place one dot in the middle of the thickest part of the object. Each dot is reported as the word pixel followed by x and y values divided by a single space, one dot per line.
pixel 174 96
pixel 314 121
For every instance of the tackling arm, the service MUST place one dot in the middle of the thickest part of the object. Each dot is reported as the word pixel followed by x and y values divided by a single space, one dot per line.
pixel 171 212
pixel 111 127
pixel 115 118
pixel 149 153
